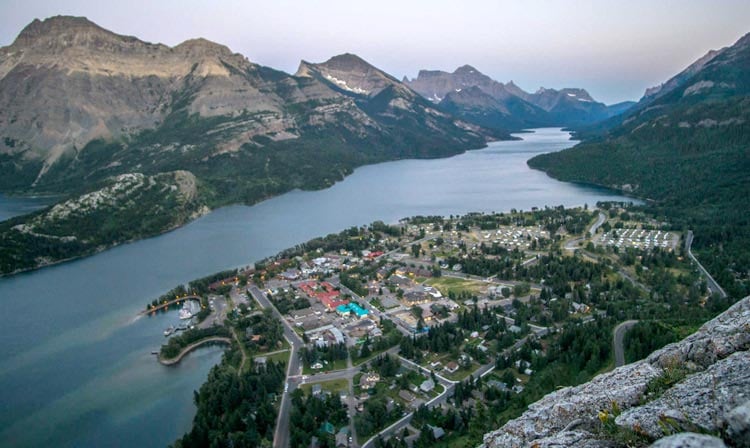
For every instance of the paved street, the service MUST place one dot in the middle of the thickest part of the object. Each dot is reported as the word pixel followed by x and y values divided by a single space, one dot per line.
pixel 294 369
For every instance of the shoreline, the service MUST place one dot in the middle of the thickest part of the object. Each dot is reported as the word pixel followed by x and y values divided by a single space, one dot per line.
pixel 205 209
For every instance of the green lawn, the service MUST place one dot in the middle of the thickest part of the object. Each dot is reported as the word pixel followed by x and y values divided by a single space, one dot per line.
pixel 278 357
pixel 358 362
pixel 339 364
pixel 446 285
pixel 333 386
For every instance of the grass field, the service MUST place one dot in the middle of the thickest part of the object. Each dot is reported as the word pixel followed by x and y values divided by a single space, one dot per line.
pixel 333 386
pixel 447 285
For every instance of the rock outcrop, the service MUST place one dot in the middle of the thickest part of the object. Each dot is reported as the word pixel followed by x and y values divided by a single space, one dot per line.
pixel 700 384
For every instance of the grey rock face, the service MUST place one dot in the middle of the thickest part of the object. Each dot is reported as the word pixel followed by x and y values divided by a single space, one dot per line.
pixel 689 440
pixel 701 401
pixel 738 425
pixel 712 397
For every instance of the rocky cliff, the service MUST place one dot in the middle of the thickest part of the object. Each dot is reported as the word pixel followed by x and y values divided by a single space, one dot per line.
pixel 692 393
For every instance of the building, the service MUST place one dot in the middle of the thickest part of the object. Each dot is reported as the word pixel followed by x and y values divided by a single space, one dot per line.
pixel 352 308
pixel 416 297
pixel 406 396
pixel 427 386
pixel 369 380
pixel 451 367
pixel 437 432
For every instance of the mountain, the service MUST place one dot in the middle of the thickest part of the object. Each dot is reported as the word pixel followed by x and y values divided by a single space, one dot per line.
pixel 687 149
pixel 466 93
pixel 81 105
pixel 698 385
pixel 475 105
pixel 65 83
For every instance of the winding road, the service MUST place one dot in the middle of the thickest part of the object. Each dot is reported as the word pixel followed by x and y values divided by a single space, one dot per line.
pixel 618 338
pixel 712 284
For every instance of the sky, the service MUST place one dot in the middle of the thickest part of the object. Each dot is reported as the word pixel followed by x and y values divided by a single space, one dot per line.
pixel 614 49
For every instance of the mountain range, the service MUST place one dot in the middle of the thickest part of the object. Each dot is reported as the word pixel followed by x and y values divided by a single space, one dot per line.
pixel 81 106
pixel 474 96
pixel 80 102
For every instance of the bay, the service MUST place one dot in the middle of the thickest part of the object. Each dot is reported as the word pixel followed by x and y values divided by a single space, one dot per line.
pixel 75 363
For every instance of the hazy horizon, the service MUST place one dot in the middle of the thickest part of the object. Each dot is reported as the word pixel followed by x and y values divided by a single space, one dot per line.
pixel 615 50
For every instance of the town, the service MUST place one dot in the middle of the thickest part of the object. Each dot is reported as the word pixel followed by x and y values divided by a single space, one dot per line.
pixel 412 334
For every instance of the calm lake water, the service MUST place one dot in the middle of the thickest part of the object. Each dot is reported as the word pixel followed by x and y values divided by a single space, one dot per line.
pixel 75 363
pixel 14 206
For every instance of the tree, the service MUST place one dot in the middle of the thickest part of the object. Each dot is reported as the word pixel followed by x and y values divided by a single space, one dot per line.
pixel 415 250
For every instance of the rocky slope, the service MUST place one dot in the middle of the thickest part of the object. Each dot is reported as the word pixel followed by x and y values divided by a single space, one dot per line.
pixel 512 108
pixel 66 83
pixel 698 385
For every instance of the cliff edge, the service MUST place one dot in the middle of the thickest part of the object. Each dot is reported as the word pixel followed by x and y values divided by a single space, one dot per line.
pixel 693 393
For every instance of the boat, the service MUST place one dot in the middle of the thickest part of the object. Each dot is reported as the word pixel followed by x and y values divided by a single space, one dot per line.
pixel 186 312
pixel 169 331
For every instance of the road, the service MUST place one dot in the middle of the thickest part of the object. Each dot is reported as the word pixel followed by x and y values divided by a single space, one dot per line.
pixel 294 368
pixel 712 284
pixel 366 304
pixel 599 221
pixel 575 243
pixel 618 338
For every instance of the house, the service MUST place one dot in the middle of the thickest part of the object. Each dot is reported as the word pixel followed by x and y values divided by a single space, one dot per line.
pixel 406 396
pixel 437 432
pixel 369 380
pixel 399 280
pixel 416 297
pixel 291 274
pixel 451 367
pixel 260 361
pixel 316 366
pixel 499 385
pixel 427 386
pixel 316 389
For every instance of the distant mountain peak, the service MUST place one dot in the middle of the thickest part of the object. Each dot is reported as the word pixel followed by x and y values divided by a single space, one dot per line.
pixel 466 69
pixel 346 61
pixel 201 46
pixel 55 27
pixel 350 73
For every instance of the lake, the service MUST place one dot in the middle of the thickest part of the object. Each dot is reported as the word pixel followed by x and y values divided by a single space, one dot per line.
pixel 11 206
pixel 75 363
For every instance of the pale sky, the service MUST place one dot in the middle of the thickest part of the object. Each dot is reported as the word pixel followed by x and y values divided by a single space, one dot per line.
pixel 614 49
